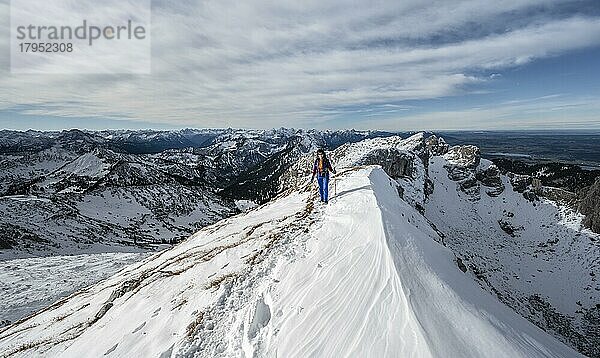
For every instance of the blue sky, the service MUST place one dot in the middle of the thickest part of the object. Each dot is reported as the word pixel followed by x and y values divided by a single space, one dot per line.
pixel 394 65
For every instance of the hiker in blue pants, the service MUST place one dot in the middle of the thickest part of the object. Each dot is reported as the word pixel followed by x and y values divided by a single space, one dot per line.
pixel 321 169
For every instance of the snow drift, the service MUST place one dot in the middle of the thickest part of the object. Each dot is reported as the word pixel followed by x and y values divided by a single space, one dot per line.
pixel 363 276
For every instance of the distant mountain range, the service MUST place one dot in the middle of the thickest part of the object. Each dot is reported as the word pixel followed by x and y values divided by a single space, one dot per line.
pixel 75 191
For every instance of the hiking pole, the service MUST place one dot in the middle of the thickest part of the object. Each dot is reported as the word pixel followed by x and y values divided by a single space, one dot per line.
pixel 335 187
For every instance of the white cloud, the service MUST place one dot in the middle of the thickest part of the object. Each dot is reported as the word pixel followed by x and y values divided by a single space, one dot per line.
pixel 548 112
pixel 273 63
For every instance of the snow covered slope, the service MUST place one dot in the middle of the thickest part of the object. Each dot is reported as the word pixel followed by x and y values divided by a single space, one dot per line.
pixel 30 284
pixel 533 254
pixel 362 276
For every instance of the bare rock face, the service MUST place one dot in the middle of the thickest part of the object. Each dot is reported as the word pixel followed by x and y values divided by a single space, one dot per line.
pixel 464 156
pixel 519 182
pixel 589 205
pixel 464 168
pixel 436 145
pixel 461 167
pixel 395 163
pixel 490 178
pixel 524 184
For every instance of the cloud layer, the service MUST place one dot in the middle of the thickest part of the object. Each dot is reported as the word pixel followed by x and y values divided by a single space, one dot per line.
pixel 310 63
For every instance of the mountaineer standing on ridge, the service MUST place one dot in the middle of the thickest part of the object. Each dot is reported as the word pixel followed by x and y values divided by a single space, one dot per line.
pixel 321 168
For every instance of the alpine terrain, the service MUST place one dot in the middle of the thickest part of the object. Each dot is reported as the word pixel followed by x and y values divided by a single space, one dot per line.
pixel 75 192
pixel 424 250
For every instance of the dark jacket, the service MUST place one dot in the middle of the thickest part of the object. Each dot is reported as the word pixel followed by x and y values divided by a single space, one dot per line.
pixel 326 168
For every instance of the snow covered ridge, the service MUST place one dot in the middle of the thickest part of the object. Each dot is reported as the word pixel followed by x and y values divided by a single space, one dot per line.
pixel 367 275
pixel 363 276
pixel 79 191
pixel 517 247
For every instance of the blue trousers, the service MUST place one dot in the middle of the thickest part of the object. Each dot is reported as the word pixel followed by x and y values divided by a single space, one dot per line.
pixel 323 186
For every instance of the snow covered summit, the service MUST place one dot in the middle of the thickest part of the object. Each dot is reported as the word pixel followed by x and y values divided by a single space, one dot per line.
pixel 364 276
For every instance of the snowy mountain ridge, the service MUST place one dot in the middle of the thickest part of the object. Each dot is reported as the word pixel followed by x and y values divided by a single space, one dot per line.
pixel 134 190
pixel 383 270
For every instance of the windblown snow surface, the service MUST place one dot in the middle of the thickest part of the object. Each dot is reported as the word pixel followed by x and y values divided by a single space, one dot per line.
pixel 360 277
pixel 29 284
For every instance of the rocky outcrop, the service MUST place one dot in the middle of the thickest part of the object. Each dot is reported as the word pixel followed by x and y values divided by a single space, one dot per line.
pixel 490 178
pixel 396 163
pixel 524 184
pixel 589 205
pixel 464 156
pixel 436 145
pixel 462 164
pixel 519 182
pixel 464 167
pixel 508 228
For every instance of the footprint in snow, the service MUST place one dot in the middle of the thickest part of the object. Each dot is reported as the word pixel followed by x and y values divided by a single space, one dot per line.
pixel 111 349
pixel 138 328
pixel 155 313
pixel 260 318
